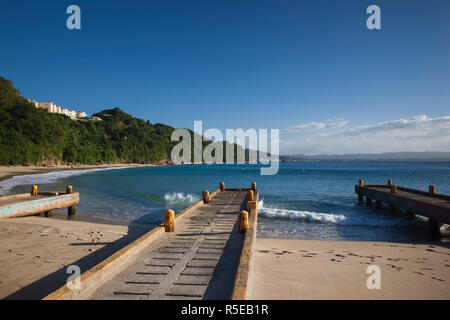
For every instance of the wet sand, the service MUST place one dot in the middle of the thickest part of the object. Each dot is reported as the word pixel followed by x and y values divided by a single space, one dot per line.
pixel 36 251
pixel 307 269
pixel 7 172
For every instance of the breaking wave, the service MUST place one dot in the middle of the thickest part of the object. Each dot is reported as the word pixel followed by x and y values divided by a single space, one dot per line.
pixel 330 218
pixel 179 198
pixel 44 178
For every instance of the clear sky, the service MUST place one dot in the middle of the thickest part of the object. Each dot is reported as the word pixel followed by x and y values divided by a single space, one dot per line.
pixel 309 68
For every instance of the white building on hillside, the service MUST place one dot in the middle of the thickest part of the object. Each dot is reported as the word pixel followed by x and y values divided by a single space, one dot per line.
pixel 53 108
pixel 81 115
pixel 35 103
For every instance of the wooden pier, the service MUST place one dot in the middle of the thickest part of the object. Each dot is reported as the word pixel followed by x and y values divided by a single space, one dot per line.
pixel 27 204
pixel 436 207
pixel 203 252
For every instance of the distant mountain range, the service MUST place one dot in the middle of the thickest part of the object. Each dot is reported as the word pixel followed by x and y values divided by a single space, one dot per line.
pixel 388 156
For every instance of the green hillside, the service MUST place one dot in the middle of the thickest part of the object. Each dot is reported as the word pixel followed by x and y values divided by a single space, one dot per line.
pixel 33 136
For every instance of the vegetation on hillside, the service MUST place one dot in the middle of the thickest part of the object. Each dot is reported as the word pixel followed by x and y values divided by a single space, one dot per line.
pixel 32 136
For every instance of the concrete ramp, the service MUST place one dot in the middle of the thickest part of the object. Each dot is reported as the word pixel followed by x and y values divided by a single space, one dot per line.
pixel 197 261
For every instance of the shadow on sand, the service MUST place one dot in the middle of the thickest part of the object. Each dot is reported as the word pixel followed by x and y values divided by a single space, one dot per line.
pixel 53 281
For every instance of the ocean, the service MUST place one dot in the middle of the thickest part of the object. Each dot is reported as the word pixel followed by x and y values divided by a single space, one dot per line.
pixel 305 200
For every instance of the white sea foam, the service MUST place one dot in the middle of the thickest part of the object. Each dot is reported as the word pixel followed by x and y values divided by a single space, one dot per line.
pixel 331 218
pixel 45 178
pixel 179 197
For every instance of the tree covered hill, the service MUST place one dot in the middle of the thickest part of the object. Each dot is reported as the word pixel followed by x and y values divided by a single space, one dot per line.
pixel 33 136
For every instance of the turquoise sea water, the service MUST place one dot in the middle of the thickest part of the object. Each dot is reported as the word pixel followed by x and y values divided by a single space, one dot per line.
pixel 307 200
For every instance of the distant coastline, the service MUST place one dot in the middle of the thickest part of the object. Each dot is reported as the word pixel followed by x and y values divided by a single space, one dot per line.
pixel 376 157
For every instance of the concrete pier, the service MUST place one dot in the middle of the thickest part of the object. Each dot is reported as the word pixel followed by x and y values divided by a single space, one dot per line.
pixel 436 207
pixel 201 259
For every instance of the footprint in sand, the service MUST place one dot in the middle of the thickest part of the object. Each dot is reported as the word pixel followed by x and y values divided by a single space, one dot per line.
pixel 418 272
pixel 434 278
pixel 263 251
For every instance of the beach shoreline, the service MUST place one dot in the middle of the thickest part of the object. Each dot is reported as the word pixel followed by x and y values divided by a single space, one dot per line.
pixel 8 172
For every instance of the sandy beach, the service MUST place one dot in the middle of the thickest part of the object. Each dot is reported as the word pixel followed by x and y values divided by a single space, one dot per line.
pixel 35 252
pixel 306 269
pixel 7 172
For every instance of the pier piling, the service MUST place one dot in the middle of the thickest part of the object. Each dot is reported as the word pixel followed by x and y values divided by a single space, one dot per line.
pixel 72 209
pixel 242 221
pixel 254 186
pixel 222 186
pixel 206 196
pixel 434 226
pixel 431 190
pixel 169 220
pixel 34 191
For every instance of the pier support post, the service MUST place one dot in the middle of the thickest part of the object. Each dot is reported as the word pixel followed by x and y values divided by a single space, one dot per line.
pixel 368 201
pixel 48 213
pixel 377 204
pixel 34 189
pixel 169 220
pixel 242 221
pixel 72 209
pixel 222 186
pixel 361 182
pixel 389 182
pixel 250 195
pixel 434 226
pixel 206 196
pixel 254 186
pixel 392 209
pixel 360 198
pixel 394 189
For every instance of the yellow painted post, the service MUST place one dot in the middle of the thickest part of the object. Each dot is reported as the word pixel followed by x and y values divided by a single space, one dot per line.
pixel 206 196
pixel 431 189
pixel 34 190
pixel 242 221
pixel 393 189
pixel 72 209
pixel 252 205
pixel 360 182
pixel 250 195
pixel 222 186
pixel 389 182
pixel 169 220
pixel 254 186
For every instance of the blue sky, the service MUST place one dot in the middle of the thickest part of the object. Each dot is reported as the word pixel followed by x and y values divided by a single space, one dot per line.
pixel 309 68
